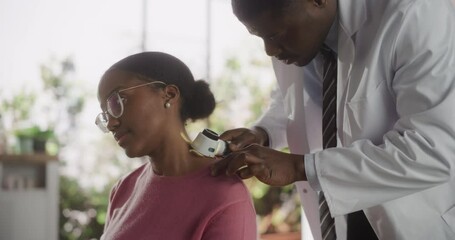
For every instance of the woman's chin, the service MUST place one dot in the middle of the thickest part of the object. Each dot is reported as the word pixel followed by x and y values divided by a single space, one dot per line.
pixel 135 150
pixel 132 154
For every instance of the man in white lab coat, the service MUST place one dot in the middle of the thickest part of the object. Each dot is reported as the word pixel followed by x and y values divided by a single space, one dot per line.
pixel 395 154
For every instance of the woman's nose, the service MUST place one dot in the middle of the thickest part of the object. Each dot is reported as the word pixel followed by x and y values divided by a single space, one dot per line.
pixel 112 122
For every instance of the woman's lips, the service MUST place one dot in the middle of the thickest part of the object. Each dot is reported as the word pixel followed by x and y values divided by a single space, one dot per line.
pixel 120 138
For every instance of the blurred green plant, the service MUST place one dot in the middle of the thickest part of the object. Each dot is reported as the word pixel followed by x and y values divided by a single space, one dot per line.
pixel 51 112
pixel 82 211
pixel 46 113
pixel 36 140
pixel 35 132
pixel 18 107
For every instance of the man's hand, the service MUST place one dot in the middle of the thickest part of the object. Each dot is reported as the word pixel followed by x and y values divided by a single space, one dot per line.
pixel 240 138
pixel 269 166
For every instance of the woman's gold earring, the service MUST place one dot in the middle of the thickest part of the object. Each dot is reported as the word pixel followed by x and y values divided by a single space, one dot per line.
pixel 167 105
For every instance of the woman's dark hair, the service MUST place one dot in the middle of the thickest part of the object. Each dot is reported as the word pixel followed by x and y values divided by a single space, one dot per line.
pixel 248 9
pixel 198 101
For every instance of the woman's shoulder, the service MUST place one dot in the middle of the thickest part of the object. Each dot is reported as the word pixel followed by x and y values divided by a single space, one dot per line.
pixel 130 179
pixel 226 188
pixel 230 207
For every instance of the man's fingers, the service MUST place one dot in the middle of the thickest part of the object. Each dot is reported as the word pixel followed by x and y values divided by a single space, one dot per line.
pixel 245 173
pixel 238 138
pixel 229 165
pixel 220 166
pixel 259 161
pixel 261 173
pixel 237 161
pixel 247 158
pixel 229 135
pixel 243 141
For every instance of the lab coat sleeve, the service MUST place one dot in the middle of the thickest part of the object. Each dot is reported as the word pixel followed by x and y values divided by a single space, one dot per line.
pixel 418 152
pixel 274 120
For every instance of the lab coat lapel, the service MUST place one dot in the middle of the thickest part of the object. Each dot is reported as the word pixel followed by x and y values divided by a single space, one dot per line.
pixel 350 21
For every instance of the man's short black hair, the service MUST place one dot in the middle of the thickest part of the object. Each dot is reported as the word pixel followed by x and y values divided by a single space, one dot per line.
pixel 248 9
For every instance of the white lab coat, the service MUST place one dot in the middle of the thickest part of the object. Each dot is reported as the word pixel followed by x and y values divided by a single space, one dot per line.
pixel 396 120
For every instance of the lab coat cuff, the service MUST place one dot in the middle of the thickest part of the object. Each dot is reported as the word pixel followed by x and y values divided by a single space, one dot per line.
pixel 310 171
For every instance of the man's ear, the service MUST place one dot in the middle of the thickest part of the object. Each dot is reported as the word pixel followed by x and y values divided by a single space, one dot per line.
pixel 320 3
pixel 171 93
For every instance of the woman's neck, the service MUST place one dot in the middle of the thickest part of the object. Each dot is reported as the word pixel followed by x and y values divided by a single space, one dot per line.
pixel 175 158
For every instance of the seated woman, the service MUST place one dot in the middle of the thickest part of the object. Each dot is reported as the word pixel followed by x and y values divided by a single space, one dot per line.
pixel 146 99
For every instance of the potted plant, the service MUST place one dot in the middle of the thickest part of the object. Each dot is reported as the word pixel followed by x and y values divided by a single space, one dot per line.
pixel 33 139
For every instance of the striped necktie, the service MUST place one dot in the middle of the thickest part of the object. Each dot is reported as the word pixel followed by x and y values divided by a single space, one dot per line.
pixel 329 131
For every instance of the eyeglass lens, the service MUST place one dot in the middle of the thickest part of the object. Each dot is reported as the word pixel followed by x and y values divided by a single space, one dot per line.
pixel 101 121
pixel 114 108
pixel 115 105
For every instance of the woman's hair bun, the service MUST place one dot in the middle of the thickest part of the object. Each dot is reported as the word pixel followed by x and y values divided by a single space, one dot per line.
pixel 200 102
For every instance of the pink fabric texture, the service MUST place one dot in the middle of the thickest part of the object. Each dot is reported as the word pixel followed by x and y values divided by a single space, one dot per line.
pixel 197 206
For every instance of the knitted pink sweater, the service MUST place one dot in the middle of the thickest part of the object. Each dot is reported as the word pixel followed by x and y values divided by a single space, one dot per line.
pixel 192 207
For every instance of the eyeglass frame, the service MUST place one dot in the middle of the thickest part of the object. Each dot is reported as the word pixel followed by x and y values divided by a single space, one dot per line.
pixel 102 119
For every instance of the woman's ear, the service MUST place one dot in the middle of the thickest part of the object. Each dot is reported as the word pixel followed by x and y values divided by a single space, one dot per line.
pixel 171 94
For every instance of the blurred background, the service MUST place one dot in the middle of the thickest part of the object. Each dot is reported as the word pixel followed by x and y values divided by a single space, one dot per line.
pixel 56 168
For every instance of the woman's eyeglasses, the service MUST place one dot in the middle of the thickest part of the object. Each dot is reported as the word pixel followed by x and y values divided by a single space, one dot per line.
pixel 115 106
